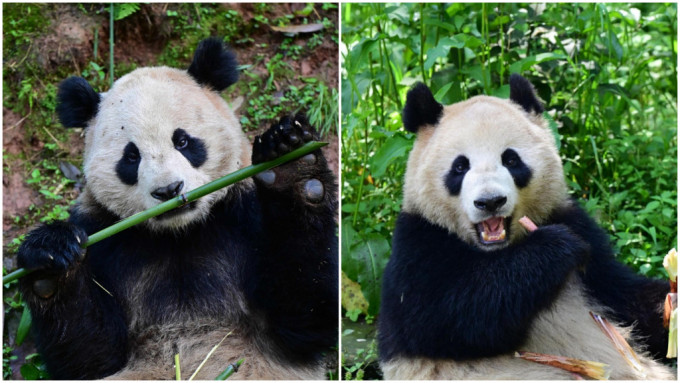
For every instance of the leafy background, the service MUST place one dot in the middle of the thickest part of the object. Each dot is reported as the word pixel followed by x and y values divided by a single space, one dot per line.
pixel 607 74
pixel 43 44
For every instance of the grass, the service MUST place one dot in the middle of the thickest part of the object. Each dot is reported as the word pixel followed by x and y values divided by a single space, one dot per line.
pixel 607 74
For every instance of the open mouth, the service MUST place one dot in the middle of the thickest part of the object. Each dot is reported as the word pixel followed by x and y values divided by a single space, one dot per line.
pixel 492 230
pixel 178 211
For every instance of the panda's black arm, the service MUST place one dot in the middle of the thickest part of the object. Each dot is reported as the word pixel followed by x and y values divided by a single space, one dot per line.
pixel 294 278
pixel 445 299
pixel 80 334
pixel 293 281
pixel 80 330
pixel 634 299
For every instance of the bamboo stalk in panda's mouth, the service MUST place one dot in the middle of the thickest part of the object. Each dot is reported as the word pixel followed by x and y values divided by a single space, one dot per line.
pixel 185 198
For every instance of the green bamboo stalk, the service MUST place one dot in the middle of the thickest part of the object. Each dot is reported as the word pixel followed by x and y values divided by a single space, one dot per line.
pixel 178 372
pixel 183 199
pixel 230 370
pixel 111 45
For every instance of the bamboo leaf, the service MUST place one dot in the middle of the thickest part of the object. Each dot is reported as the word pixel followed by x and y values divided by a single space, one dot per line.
pixel 24 326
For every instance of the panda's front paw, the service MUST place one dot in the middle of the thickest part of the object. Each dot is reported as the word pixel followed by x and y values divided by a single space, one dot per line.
pixel 305 175
pixel 562 237
pixel 50 251
pixel 289 133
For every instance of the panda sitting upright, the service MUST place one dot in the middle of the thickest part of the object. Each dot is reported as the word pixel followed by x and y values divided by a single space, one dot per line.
pixel 467 286
pixel 251 268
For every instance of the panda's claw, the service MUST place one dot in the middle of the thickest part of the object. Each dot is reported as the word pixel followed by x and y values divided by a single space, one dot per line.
pixel 307 136
pixel 283 148
pixel 289 133
pixel 51 250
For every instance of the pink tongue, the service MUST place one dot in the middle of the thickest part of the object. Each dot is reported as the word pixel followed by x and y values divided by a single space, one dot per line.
pixel 494 226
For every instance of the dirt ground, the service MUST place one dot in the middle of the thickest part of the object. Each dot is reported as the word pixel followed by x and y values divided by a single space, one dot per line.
pixel 68 43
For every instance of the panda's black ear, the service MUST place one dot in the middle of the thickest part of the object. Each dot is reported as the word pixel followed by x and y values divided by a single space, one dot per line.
pixel 214 65
pixel 77 102
pixel 522 93
pixel 421 108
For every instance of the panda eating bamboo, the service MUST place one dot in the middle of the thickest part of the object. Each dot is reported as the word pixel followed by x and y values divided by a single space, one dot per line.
pixel 251 268
pixel 467 286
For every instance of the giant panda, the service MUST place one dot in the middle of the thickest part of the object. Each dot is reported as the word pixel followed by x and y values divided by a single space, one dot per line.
pixel 250 269
pixel 466 285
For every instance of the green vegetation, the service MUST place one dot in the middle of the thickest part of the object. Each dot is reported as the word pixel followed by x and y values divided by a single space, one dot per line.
pixel 607 74
pixel 41 151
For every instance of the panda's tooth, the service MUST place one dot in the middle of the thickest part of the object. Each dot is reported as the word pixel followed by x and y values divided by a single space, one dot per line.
pixel 485 236
pixel 502 235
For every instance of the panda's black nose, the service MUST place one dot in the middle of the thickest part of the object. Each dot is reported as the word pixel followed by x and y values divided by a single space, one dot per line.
pixel 166 192
pixel 490 204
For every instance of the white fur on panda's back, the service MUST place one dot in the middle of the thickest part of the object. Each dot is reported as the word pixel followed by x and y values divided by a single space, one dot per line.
pixel 566 329
pixel 482 125
pixel 146 107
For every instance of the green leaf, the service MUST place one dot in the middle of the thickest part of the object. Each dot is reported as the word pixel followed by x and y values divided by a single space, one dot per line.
pixel 392 149
pixel 442 50
pixel 529 61
pixel 29 372
pixel 373 254
pixel 399 13
pixel 123 10
pixel 349 237
pixel 24 326
pixel 552 125
pixel 439 96
pixel 359 54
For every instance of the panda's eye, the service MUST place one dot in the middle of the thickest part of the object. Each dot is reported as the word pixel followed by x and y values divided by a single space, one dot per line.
pixel 461 165
pixel 132 157
pixel 182 143
pixel 510 158
pixel 131 153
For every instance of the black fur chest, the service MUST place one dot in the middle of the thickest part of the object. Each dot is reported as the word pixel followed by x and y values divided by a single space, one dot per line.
pixel 160 278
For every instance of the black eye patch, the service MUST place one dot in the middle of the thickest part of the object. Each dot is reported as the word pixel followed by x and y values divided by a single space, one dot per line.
pixel 192 148
pixel 454 178
pixel 519 171
pixel 128 165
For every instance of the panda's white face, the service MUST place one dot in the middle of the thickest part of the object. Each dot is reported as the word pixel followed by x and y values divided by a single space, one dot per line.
pixel 483 166
pixel 159 134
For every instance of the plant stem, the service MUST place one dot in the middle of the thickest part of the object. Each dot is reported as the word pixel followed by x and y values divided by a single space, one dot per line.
pixel 111 45
pixel 422 42
pixel 178 371
pixel 230 370
pixel 183 199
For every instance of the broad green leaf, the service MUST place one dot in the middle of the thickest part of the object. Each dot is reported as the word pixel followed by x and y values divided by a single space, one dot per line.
pixel 399 13
pixel 29 372
pixel 373 254
pixel 394 148
pixel 442 50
